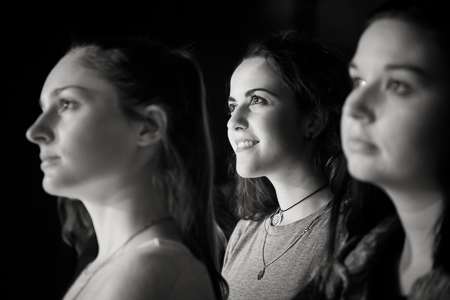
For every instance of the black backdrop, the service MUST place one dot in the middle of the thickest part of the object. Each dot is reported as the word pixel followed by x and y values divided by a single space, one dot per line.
pixel 37 263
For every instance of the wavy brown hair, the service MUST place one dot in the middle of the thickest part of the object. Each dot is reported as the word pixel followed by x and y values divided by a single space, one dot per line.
pixel 317 76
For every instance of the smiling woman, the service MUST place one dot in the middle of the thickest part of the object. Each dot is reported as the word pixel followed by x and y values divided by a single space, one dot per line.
pixel 259 100
pixel 112 133
pixel 285 102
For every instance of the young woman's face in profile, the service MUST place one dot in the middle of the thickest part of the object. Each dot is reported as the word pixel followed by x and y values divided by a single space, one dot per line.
pixel 84 139
pixel 264 128
pixel 392 123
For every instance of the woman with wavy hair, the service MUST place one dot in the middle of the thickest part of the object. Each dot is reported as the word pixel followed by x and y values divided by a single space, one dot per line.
pixel 285 103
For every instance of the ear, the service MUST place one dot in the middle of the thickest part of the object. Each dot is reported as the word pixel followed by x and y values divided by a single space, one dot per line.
pixel 318 118
pixel 153 127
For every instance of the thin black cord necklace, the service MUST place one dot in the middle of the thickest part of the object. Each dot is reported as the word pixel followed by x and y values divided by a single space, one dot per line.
pixel 278 216
pixel 307 228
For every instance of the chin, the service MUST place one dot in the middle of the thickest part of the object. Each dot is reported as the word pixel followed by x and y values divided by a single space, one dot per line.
pixel 363 172
pixel 56 188
pixel 49 189
pixel 246 172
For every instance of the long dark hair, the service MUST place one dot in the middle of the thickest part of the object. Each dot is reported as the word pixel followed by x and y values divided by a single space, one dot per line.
pixel 147 72
pixel 370 204
pixel 317 76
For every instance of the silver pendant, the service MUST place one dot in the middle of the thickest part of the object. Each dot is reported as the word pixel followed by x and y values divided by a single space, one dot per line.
pixel 277 218
pixel 261 274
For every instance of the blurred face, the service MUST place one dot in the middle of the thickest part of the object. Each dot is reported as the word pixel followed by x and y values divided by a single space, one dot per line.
pixel 393 120
pixel 264 129
pixel 84 139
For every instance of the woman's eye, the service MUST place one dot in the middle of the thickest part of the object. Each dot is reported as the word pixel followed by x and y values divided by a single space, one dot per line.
pixel 64 105
pixel 231 107
pixel 256 100
pixel 357 82
pixel 397 87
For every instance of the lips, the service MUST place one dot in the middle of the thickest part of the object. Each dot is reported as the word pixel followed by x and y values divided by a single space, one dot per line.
pixel 244 144
pixel 49 160
pixel 360 145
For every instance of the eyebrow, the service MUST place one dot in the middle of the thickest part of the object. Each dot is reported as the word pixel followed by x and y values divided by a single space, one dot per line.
pixel 249 92
pixel 407 67
pixel 391 67
pixel 59 90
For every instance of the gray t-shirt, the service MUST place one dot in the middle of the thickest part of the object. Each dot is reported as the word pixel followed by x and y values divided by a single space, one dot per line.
pixel 284 278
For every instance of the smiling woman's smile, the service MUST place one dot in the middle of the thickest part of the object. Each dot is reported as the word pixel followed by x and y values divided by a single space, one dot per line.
pixel 263 119
pixel 243 144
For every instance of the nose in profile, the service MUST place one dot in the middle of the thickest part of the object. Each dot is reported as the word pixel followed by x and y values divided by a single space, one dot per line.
pixel 40 132
pixel 238 120
pixel 360 104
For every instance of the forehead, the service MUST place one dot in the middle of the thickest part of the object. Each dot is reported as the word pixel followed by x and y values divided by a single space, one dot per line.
pixel 392 41
pixel 255 73
pixel 70 72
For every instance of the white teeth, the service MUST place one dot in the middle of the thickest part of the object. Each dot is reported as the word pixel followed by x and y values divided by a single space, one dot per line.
pixel 246 144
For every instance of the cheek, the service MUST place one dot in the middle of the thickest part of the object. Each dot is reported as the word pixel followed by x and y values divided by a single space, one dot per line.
pixel 97 140
pixel 345 130
pixel 283 128
pixel 418 126
pixel 411 130
pixel 410 146
pixel 230 138
pixel 413 144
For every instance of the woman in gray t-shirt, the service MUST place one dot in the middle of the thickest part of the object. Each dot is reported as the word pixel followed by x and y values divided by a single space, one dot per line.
pixel 285 102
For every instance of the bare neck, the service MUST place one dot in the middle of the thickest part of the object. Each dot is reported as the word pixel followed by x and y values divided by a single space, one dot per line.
pixel 419 211
pixel 124 213
pixel 294 186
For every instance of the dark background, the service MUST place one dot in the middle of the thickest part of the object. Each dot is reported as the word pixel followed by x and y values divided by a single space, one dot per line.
pixel 37 262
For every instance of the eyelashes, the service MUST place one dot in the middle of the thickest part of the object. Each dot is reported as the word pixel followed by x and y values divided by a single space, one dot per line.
pixel 254 100
pixel 393 86
pixel 398 87
pixel 231 107
pixel 64 105
pixel 357 82
pixel 257 100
